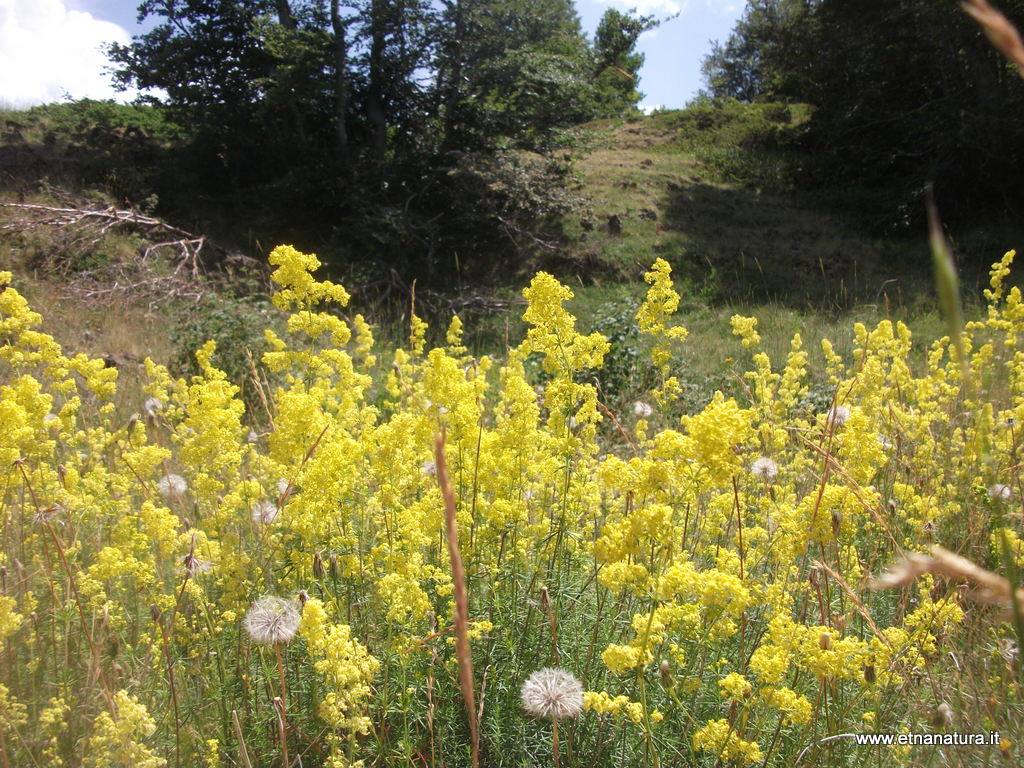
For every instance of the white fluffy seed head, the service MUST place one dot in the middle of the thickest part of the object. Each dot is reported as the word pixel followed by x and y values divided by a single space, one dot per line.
pixel 553 694
pixel 642 410
pixel 284 488
pixel 172 486
pixel 272 621
pixel 764 468
pixel 429 468
pixel 1000 492
pixel 152 407
pixel 194 566
pixel 264 512
pixel 838 415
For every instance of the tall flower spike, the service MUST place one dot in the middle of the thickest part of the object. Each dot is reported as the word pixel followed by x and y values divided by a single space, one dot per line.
pixel 272 621
pixel 553 694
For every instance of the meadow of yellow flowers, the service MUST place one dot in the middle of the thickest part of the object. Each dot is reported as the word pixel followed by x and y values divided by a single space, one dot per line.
pixel 198 585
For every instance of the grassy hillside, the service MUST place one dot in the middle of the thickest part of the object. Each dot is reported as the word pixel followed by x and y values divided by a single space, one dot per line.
pixel 710 189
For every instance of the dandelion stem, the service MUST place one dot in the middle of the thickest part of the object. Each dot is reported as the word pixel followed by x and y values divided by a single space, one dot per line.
pixel 280 705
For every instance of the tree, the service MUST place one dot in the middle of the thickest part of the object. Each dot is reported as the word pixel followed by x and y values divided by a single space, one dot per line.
pixel 376 118
pixel 617 63
pixel 511 70
pixel 904 92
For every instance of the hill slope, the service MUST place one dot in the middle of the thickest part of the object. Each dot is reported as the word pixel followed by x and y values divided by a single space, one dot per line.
pixel 707 189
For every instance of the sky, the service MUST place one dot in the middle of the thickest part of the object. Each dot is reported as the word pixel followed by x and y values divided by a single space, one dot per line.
pixel 50 49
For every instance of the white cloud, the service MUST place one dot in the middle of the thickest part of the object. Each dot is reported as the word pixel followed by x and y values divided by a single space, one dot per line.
pixel 670 7
pixel 645 7
pixel 48 51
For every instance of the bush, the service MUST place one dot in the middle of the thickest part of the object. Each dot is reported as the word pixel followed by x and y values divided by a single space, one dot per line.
pixel 235 324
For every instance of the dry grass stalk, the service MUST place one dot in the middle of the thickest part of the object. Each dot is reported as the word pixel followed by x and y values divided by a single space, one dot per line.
pixel 243 753
pixel 282 729
pixel 857 602
pixel 991 588
pixel 461 600
pixel 545 601
pixel 1000 31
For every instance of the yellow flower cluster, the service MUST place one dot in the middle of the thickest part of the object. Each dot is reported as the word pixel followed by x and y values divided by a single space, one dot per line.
pixel 602 703
pixel 708 575
pixel 345 665
pixel 117 740
pixel 720 740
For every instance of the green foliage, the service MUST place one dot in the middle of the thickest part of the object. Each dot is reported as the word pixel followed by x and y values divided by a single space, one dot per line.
pixel 750 144
pixel 617 62
pixel 627 371
pixel 120 148
pixel 236 324
pixel 903 93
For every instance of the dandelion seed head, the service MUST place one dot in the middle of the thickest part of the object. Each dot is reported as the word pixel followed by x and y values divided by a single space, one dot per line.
pixel 764 468
pixel 284 488
pixel 1000 492
pixel 837 415
pixel 194 566
pixel 272 621
pixel 642 410
pixel 48 514
pixel 252 438
pixel 553 694
pixel 264 512
pixel 943 717
pixel 172 486
pixel 1008 650
pixel 152 407
pixel 429 468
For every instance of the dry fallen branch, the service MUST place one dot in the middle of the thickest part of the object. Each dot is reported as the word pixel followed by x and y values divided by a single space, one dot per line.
pixel 169 266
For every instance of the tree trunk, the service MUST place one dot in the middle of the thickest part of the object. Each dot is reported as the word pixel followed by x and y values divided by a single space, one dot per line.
pixel 340 83
pixel 454 85
pixel 284 15
pixel 375 92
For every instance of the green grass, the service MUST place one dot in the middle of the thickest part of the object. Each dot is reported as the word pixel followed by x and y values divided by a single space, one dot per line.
pixel 711 190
